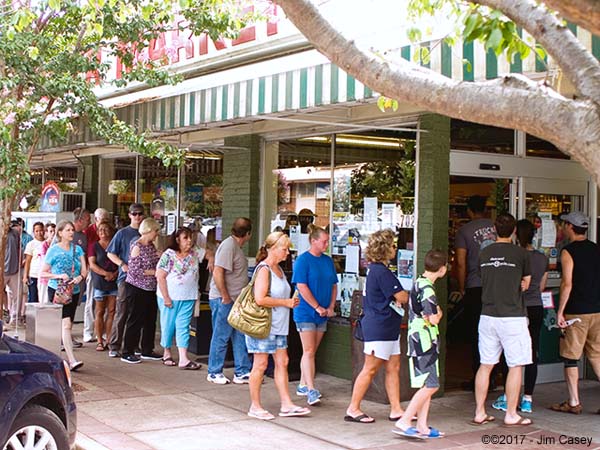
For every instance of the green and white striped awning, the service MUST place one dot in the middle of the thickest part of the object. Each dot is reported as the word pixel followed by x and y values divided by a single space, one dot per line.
pixel 316 86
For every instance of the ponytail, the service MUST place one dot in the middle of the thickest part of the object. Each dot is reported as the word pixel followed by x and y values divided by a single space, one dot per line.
pixel 262 254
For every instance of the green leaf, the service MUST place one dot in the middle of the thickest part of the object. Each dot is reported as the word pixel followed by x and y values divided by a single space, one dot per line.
pixel 54 4
pixel 33 52
pixel 494 39
pixel 471 23
pixel 467 65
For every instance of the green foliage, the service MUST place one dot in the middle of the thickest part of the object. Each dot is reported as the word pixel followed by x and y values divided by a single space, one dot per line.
pixel 476 23
pixel 388 181
pixel 48 48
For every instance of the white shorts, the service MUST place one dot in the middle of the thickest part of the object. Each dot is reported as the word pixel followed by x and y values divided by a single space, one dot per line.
pixel 382 349
pixel 508 334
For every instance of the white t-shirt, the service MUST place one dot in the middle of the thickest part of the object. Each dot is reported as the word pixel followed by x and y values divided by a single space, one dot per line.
pixel 182 274
pixel 34 248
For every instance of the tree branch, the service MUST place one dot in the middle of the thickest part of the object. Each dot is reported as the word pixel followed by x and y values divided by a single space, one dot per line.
pixel 585 13
pixel 578 64
pixel 511 102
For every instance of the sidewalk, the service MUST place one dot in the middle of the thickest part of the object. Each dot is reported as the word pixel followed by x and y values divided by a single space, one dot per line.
pixel 151 406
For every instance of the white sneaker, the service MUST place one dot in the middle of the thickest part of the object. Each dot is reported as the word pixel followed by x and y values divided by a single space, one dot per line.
pixel 242 379
pixel 217 378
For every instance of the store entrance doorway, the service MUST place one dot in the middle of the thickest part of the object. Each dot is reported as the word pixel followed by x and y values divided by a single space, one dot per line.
pixel 498 195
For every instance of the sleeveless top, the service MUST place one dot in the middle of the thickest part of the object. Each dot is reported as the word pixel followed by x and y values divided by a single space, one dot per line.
pixel 146 260
pixel 585 287
pixel 279 288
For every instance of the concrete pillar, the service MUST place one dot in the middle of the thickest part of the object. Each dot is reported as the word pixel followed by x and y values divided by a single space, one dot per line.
pixel 241 185
pixel 87 180
pixel 432 187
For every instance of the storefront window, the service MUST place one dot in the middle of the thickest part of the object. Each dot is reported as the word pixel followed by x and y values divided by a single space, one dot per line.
pixel 538 148
pixel 369 187
pixel 158 192
pixel 473 137
pixel 119 179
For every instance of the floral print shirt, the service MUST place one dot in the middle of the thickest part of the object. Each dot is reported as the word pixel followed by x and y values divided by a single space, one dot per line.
pixel 146 260
pixel 182 273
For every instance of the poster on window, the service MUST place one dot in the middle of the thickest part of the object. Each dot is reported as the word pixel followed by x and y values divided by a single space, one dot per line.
pixel 341 193
pixel 405 268
pixel 50 197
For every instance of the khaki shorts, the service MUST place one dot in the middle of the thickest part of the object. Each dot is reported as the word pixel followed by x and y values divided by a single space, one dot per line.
pixel 581 336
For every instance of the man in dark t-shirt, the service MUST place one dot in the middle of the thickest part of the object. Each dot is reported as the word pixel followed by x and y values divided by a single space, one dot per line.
pixel 505 273
pixel 579 302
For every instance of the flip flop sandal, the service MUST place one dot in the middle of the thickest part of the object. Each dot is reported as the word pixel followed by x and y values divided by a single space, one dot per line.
pixel 411 432
pixel 363 418
pixel 296 411
pixel 169 362
pixel 100 347
pixel 434 433
pixel 190 366
pixel 261 415
pixel 487 419
pixel 522 422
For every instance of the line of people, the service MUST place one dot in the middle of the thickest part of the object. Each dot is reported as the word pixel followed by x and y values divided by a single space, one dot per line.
pixel 132 280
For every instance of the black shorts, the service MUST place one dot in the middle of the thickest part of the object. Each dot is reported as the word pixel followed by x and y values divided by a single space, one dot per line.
pixel 67 310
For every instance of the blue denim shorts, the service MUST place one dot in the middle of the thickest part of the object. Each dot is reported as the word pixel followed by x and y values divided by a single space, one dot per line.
pixel 267 345
pixel 311 326
pixel 99 294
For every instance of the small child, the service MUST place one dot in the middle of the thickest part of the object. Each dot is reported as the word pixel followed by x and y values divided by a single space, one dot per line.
pixel 424 316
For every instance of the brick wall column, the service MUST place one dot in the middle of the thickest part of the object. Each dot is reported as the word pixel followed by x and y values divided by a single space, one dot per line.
pixel 241 187
pixel 432 187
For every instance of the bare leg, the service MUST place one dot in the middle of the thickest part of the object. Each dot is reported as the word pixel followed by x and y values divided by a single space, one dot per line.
pixel 362 383
pixel 572 379
pixel 99 323
pixel 392 385
pixel 183 355
pixel 310 344
pixel 482 381
pixel 256 377
pixel 67 339
pixel 512 390
pixel 419 405
pixel 281 378
pixel 111 304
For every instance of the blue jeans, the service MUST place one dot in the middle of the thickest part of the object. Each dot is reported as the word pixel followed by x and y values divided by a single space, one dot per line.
pixel 221 334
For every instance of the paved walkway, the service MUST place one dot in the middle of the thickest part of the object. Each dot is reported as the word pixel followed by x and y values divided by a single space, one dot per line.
pixel 151 406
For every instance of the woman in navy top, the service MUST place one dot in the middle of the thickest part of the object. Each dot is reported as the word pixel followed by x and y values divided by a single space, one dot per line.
pixel 381 328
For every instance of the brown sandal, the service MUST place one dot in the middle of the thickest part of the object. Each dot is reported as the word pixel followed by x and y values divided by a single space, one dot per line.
pixel 100 347
pixel 565 407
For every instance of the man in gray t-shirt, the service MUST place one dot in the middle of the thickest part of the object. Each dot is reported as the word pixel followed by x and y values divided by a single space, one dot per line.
pixel 230 275
pixel 471 238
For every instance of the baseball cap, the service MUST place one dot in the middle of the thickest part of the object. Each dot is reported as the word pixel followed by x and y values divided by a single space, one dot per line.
pixel 136 208
pixel 576 218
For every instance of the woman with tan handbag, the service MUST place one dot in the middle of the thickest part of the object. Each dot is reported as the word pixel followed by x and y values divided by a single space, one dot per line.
pixel 64 266
pixel 272 290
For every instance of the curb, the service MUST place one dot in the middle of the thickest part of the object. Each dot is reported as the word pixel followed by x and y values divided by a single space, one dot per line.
pixel 82 442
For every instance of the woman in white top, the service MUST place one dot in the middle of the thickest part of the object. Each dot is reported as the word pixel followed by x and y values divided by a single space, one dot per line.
pixel 177 277
pixel 272 290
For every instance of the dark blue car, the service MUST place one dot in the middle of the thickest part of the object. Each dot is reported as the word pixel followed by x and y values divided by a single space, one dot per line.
pixel 37 406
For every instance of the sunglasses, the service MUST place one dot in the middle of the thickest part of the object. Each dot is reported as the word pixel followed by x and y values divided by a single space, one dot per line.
pixel 136 213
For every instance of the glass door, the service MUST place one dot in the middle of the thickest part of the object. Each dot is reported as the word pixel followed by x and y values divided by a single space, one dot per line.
pixel 542 202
